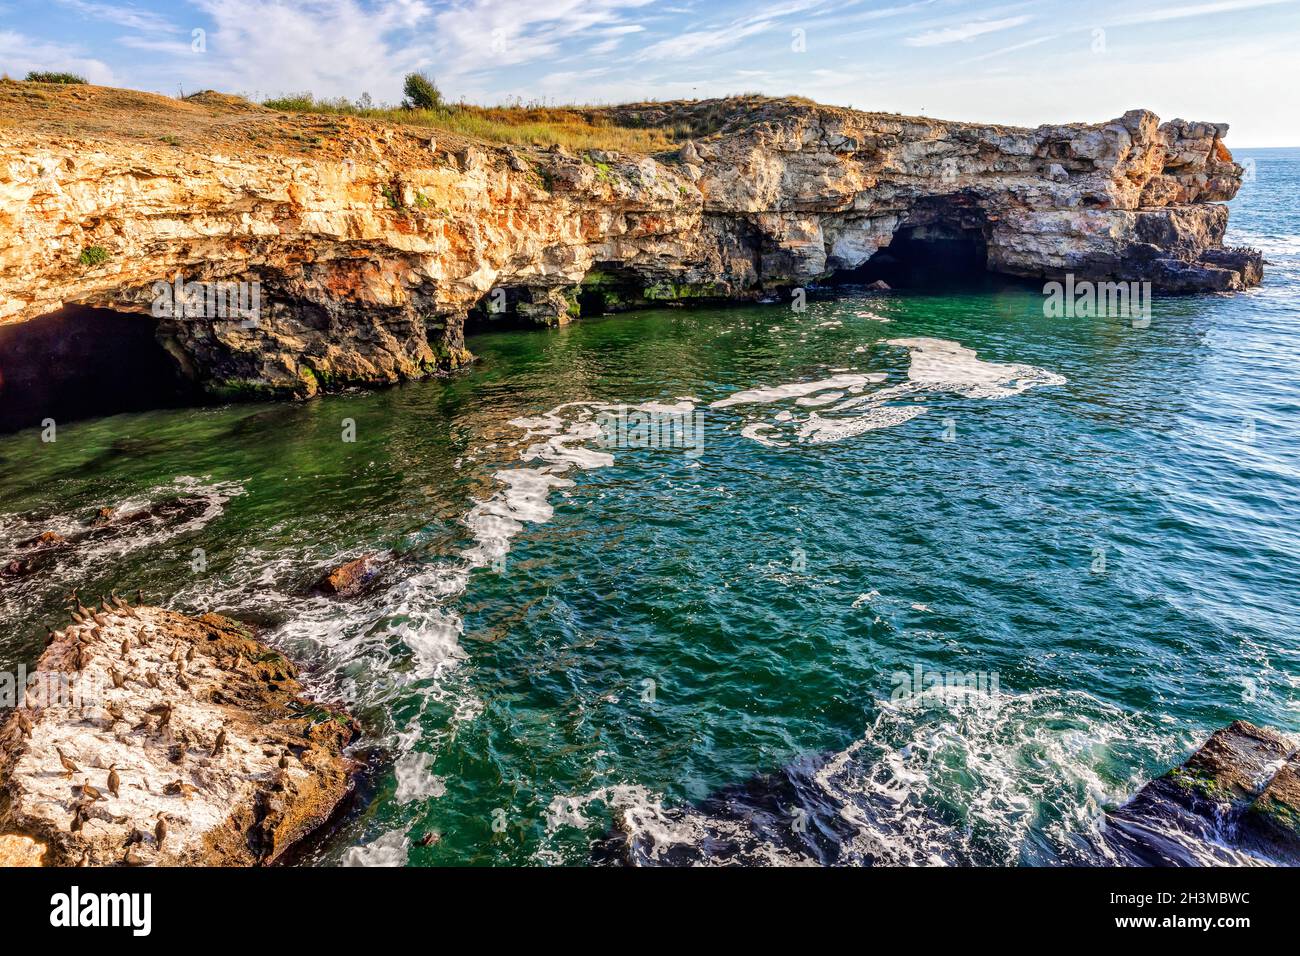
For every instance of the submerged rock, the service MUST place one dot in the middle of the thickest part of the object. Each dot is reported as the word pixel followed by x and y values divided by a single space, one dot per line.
pixel 1236 800
pixel 147 737
pixel 42 552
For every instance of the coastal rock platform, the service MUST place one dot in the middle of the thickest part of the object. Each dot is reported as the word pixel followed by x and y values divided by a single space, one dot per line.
pixel 150 738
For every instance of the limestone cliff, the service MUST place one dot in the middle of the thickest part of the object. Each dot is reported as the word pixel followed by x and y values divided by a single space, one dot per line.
pixel 371 243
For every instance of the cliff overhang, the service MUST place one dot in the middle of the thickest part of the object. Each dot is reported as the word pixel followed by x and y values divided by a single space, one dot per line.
pixel 368 245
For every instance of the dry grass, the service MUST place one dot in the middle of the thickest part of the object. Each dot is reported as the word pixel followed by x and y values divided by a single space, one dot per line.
pixel 572 127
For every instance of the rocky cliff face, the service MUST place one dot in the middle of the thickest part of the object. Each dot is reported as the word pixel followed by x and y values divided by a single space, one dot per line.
pixel 371 244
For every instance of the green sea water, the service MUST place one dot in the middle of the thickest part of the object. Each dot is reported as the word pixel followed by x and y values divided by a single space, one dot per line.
pixel 568 647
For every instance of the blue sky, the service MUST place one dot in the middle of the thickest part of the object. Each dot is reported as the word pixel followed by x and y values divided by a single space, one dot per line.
pixel 1026 63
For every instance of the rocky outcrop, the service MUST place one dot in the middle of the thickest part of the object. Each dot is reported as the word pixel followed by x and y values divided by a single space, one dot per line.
pixel 370 244
pixel 151 738
pixel 1237 799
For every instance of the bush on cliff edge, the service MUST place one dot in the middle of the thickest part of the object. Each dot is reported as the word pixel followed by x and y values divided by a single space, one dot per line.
pixel 38 76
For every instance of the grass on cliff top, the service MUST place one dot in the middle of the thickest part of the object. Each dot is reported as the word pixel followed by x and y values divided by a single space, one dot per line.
pixel 574 128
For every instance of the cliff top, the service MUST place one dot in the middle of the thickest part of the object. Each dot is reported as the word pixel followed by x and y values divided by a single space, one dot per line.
pixel 304 126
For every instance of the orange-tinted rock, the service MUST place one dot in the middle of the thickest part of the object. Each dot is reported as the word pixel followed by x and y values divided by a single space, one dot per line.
pixel 352 578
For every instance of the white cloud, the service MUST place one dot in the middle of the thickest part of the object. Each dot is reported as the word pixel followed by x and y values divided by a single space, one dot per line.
pixel 330 47
pixel 21 54
pixel 124 15
pixel 1194 10
pixel 1011 49
pixel 966 31
pixel 698 42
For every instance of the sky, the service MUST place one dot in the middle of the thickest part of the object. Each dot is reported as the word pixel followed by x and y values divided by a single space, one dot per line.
pixel 1025 63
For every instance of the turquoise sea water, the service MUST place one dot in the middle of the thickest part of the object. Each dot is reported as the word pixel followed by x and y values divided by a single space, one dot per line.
pixel 701 651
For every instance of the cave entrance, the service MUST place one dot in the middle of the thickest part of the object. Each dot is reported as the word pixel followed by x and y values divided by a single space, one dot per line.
pixel 81 362
pixel 610 287
pixel 942 241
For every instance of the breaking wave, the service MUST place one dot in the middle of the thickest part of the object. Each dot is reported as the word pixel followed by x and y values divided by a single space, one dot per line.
pixel 977 780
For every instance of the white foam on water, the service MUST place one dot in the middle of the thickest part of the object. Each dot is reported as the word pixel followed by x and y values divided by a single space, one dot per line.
pixel 938 365
pixel 935 366
pixel 821 398
pixel 389 850
pixel 817 430
pixel 416 779
pixel 758 432
pixel 777 393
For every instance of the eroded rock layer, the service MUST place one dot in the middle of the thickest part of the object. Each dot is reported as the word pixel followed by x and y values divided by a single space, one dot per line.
pixel 371 243
pixel 149 738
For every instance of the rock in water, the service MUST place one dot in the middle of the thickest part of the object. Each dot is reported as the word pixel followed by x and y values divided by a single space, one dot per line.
pixel 232 808
pixel 1235 800
pixel 351 579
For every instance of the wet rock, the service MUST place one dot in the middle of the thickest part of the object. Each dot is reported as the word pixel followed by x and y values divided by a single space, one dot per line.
pixel 1237 799
pixel 351 579
pixel 27 566
pixel 45 539
pixel 1272 821
pixel 880 285
pixel 168 753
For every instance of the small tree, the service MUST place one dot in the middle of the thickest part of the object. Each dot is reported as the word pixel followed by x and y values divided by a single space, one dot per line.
pixel 421 92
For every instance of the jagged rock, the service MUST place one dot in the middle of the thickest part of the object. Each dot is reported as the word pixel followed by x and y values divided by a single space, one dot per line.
pixel 880 285
pixel 1272 821
pixel 189 726
pixel 370 251
pixel 1239 793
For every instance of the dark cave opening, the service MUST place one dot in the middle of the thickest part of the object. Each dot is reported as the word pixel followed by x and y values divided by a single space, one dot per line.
pixel 81 362
pixel 943 241
pixel 610 287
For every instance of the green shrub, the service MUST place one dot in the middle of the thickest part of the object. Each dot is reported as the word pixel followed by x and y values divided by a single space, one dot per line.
pixel 292 103
pixel 37 76
pixel 93 256
pixel 421 92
